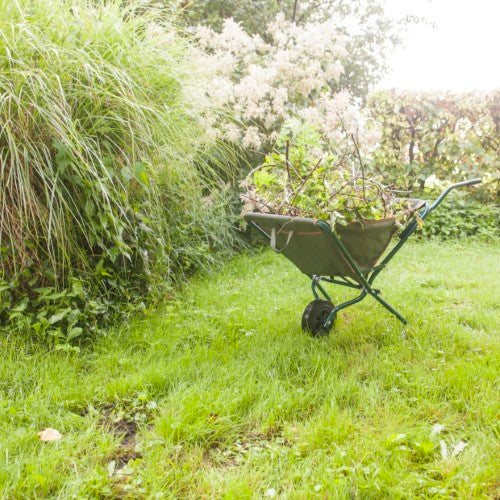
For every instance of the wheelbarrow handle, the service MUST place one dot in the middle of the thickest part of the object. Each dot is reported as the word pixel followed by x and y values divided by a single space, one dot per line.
pixel 466 183
pixel 443 195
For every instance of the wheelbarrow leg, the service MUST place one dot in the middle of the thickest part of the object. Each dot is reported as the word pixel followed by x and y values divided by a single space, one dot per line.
pixel 315 283
pixel 360 297
pixel 331 318
pixel 377 297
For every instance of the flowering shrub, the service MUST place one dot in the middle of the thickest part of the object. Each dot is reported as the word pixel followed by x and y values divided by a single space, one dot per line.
pixel 263 84
pixel 405 140
pixel 370 32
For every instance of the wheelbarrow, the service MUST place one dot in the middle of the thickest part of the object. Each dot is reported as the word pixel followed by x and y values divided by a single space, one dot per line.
pixel 346 255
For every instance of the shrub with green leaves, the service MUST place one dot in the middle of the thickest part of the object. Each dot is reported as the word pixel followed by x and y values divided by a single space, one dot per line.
pixel 450 136
pixel 103 181
pixel 462 216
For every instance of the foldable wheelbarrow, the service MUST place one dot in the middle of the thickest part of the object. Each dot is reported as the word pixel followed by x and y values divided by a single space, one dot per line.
pixel 346 255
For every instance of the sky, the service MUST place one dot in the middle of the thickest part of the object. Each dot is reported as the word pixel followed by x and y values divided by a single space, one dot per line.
pixel 462 51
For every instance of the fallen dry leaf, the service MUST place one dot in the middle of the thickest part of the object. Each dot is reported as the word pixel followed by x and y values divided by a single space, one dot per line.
pixel 49 435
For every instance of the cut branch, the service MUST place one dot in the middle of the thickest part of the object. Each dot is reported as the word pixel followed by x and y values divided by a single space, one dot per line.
pixel 294 14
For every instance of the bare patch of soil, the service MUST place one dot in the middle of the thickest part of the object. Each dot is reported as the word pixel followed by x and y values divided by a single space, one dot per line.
pixel 126 430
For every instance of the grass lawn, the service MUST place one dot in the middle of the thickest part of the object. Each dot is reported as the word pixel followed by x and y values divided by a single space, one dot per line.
pixel 220 394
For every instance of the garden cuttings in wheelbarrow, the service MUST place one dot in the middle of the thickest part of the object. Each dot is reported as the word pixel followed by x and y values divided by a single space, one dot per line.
pixel 307 176
pixel 340 240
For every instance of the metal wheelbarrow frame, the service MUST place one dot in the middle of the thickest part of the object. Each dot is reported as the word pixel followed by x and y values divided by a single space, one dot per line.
pixel 320 314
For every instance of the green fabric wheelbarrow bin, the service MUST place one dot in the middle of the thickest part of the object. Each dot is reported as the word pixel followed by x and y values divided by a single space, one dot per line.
pixel 344 255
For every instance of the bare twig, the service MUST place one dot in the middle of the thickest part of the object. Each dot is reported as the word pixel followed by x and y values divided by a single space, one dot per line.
pixel 294 14
pixel 258 167
pixel 258 203
pixel 287 163
pixel 305 180
pixel 361 164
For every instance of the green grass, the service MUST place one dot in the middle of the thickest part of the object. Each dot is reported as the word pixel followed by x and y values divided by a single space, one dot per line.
pixel 231 399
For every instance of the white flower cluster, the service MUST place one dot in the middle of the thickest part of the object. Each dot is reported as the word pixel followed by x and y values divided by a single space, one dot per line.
pixel 262 84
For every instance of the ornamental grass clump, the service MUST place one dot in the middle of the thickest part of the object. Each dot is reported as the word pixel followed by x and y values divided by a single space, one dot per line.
pixel 102 175
pixel 309 177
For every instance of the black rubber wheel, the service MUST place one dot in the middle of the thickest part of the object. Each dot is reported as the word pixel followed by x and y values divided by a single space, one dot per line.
pixel 314 317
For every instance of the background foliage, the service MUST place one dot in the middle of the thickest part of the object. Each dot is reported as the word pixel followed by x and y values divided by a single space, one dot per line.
pixel 444 135
pixel 430 139
pixel 462 216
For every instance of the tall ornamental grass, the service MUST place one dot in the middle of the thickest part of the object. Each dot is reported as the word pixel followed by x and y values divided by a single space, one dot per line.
pixel 103 182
